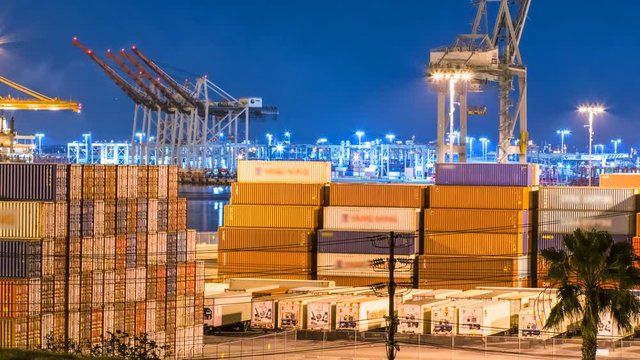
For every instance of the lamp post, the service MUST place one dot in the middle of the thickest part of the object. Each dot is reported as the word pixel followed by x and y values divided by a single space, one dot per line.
pixel 40 136
pixel 87 137
pixel 140 135
pixel 359 134
pixel 470 141
pixel 269 138
pixel 484 142
pixel 592 111
pixel 562 133
pixel 615 145
pixel 288 136
pixel 390 137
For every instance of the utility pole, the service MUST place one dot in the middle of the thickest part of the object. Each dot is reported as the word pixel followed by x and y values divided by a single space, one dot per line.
pixel 392 347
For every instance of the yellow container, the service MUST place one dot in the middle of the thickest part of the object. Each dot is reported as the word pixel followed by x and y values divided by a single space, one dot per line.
pixel 14 298
pixel 256 239
pixel 477 221
pixel 26 220
pixel 473 268
pixel 377 195
pixel 273 216
pixel 477 244
pixel 277 194
pixel 620 180
pixel 483 197
pixel 13 333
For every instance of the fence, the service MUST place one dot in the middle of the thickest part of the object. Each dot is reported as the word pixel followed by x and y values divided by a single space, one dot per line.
pixel 296 345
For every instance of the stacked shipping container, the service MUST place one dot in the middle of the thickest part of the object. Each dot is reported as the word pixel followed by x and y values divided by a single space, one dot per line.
pixel 270 225
pixel 109 257
pixel 480 226
pixel 357 227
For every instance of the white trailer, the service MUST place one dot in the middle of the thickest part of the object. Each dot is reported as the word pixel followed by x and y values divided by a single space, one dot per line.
pixel 518 301
pixel 361 314
pixel 436 294
pixel 321 313
pixel 414 316
pixel 264 310
pixel 292 313
pixel 484 318
pixel 532 319
pixel 227 309
pixel 445 317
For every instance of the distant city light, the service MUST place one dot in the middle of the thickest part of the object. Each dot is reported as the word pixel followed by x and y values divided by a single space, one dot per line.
pixel 359 134
pixel 592 110
pixel 390 137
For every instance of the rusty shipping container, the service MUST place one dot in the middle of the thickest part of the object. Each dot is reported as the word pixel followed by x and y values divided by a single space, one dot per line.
pixel 61 219
pixel 483 197
pixel 163 181
pixel 87 245
pixel 23 259
pixel 38 182
pixel 261 264
pixel 99 182
pixel 88 182
pixel 163 214
pixel 621 180
pixel 172 182
pixel 161 282
pixel 26 220
pixel 297 172
pixel 47 291
pixel 132 182
pixel 122 175
pixel 97 325
pixel 153 172
pixel 14 298
pixel 75 182
pixel 110 182
pixel 141 220
pixel 566 222
pixel 152 215
pixel 88 210
pixel 109 260
pixel 172 218
pixel 277 194
pixel 75 255
pixel 335 264
pixel 132 216
pixel 182 214
pixel 120 252
pixel 478 244
pixel 588 199
pixel 378 195
pixel 478 221
pixel 60 256
pixel 371 218
pixel 471 269
pixel 141 322
pixel 271 216
pixel 143 182
pixel 191 245
pixel 121 216
pixel 265 239
pixel 75 218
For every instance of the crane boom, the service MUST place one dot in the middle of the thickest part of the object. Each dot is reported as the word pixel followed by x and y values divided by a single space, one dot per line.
pixel 39 101
pixel 136 95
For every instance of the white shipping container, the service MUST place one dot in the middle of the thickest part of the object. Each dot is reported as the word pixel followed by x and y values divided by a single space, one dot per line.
pixel 97 293
pixel 445 317
pixel 371 218
pixel 181 311
pixel 73 326
pixel 518 301
pixel 361 314
pixel 161 250
pixel 46 328
pixel 179 346
pixel 191 245
pixel 226 308
pixel 292 313
pixel 321 314
pixel 150 318
pixel 532 319
pixel 485 318
pixel 264 312
pixel 109 287
pixel 608 328
pixel 587 198
pixel 141 283
pixel 414 316
pixel 108 314
pixel 437 294
pixel 198 337
pixel 152 215
pixel 566 221
pixel 130 285
pixel 26 220
pixel 297 172
pixel 188 342
pixel 152 249
pixel 35 291
pixel 358 265
pixel 189 310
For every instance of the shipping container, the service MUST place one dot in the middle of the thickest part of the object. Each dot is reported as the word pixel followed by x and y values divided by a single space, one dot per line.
pixel 75 255
pixel 406 280
pixel 60 256
pixel 132 253
pixel 190 278
pixel 567 221
pixel 151 286
pixel 152 181
pixel 121 216
pixel 60 283
pixel 122 190
pixel 264 311
pixel 371 218
pixel 472 269
pixel 98 253
pixel 141 249
pixel 97 292
pixel 152 249
pixel 121 252
pixel 46 328
pixel 13 333
pixel 622 180
pixel 108 315
pixel 253 239
pixel 297 172
pixel 88 182
pixel 161 311
pixel 191 245
pixel 478 221
pixel 118 320
pixel 172 182
pixel 130 317
pixel 75 218
pixel 86 291
pixel 47 291
pixel 109 217
pixel 111 181
pixel 163 181
pixel 109 260
pixel 182 214
pixel 483 197
pixel 152 215
pixel 321 313
pixel 14 298
pixel 143 182
pixel 378 195
pixel 100 182
pixel 163 217
pixel 61 219
pixel 366 242
pixel 533 318
pixel 162 248
pixel 172 210
pixel 414 316
pixel 264 264
pixel 87 245
pixel 356 265
pixel 272 216
pixel 25 259
pixel 132 216
pixel 361 314
pixel 548 241
pixel 109 288
pixel 59 324
pixel 73 326
pixel 97 326
pixel 98 218
pixel 200 277
pixel 181 245
pixel 141 283
pixel 181 305
pixel 277 194
pixel 588 199
pixel 488 174
pixel 141 317
pixel 132 182
pixel 142 214
pixel 88 210
pixel 38 182
pixel 445 318
pixel 150 317
pixel 75 182
pixel 26 220
pixel 485 318
pixel 477 244
pixel 35 299
pixel 172 248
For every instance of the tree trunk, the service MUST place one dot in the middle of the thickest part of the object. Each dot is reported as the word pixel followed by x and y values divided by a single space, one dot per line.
pixel 589 346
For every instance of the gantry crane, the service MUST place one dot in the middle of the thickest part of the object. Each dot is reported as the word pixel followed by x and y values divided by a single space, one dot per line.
pixel 470 63
pixel 181 124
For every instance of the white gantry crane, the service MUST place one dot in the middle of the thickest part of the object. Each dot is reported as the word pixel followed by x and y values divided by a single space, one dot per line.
pixel 472 62
pixel 192 125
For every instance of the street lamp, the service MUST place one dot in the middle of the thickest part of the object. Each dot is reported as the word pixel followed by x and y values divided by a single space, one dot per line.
pixel 601 146
pixel 87 137
pixel 359 134
pixel 390 137
pixel 615 145
pixel 40 136
pixel 470 142
pixel 484 142
pixel 592 110
pixel 288 136
pixel 269 138
pixel 562 133
pixel 140 135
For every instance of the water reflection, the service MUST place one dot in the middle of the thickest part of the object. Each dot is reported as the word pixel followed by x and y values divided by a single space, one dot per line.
pixel 205 205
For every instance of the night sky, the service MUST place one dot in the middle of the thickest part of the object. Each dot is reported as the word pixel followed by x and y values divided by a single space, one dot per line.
pixel 331 66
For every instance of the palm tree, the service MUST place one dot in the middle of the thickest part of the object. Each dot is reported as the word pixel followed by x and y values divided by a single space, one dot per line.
pixel 594 275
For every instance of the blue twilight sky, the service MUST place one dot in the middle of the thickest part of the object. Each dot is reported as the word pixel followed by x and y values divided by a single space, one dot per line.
pixel 331 66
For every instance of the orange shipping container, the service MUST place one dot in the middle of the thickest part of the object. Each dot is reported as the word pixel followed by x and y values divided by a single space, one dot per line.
pixel 172 212
pixel 61 219
pixel 132 182
pixel 98 218
pixel 96 325
pixel 363 281
pixel 88 182
pixel 247 239
pixel 34 324
pixel 620 180
pixel 637 224
pixel 272 216
pixel 13 333
pixel 75 182
pixel 425 283
pixel 26 220
pixel 473 268
pixel 277 194
pixel 487 221
pixel 14 298
pixel 483 197
pixel 378 195
pixel 110 182
pixel 122 175
pixel 262 264
pixel 152 181
pixel 182 214
pixel 308 172
pixel 141 322
pixel 636 245
pixel 99 188
pixel 163 181
pixel 152 215
pixel 143 174
pixel 477 244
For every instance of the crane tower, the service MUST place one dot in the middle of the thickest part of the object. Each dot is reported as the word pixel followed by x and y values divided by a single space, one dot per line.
pixel 475 60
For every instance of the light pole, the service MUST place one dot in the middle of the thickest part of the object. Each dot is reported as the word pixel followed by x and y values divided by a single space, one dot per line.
pixel 87 136
pixel 615 145
pixel 359 134
pixel 140 135
pixel 484 142
pixel 601 146
pixel 269 137
pixel 390 137
pixel 288 136
pixel 592 110
pixel 40 136
pixel 562 133
pixel 470 141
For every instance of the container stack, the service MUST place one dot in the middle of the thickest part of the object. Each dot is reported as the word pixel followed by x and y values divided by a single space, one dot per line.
pixel 625 181
pixel 270 225
pixel 480 226
pixel 564 209
pixel 357 227
pixel 101 254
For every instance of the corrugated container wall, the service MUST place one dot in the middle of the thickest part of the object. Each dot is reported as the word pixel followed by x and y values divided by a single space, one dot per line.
pixel 272 216
pixel 477 244
pixel 277 194
pixel 449 267
pixel 483 197
pixel 488 221
pixel 297 172
pixel 248 239
pixel 548 241
pixel 26 220
pixel 366 242
pixel 566 222
pixel 378 195
pixel 620 180
pixel 21 259
pixel 488 174
pixel 332 264
pixel 88 182
pixel 39 182
pixel 588 199
pixel 263 264
pixel 371 218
